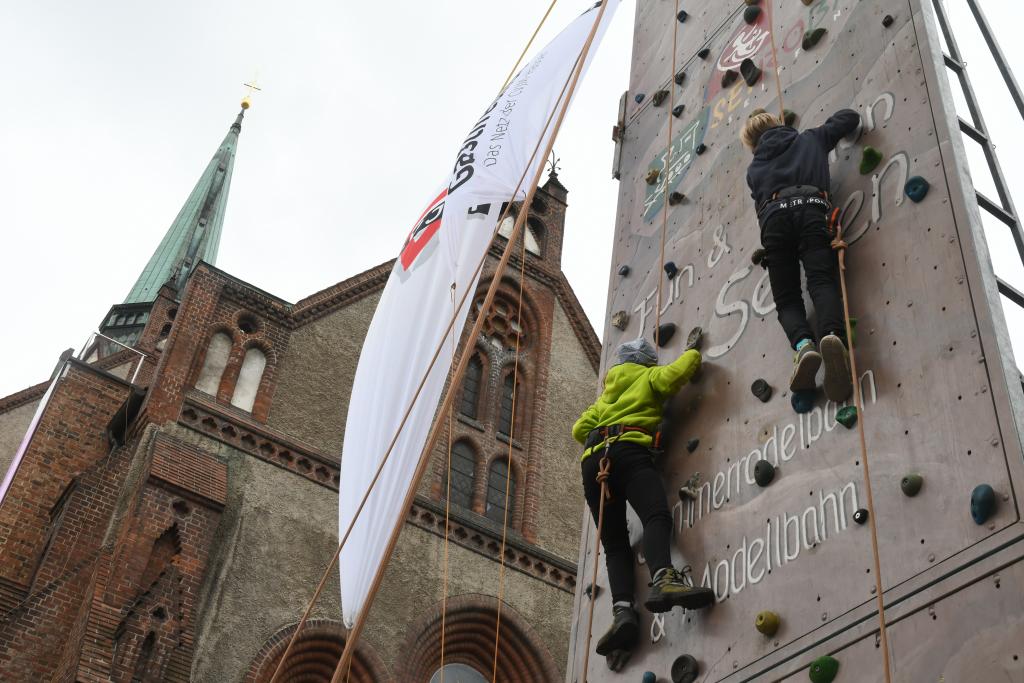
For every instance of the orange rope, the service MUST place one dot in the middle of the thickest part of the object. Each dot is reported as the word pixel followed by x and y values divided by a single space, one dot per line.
pixel 447 508
pixel 528 44
pixel 604 471
pixel 775 64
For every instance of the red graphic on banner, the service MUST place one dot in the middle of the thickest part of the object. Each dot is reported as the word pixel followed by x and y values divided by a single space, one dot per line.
pixel 426 227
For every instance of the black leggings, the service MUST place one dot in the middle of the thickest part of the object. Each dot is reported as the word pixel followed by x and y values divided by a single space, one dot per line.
pixel 633 479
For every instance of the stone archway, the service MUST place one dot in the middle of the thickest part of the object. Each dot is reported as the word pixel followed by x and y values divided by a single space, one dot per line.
pixel 314 656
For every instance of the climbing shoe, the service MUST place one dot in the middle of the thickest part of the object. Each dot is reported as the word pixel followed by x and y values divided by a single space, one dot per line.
pixel 623 632
pixel 670 590
pixel 805 368
pixel 838 386
pixel 618 659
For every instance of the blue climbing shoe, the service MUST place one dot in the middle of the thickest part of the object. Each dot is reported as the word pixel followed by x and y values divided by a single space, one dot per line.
pixel 805 368
pixel 838 386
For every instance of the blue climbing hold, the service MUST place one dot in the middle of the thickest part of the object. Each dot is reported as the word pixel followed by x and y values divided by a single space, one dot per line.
pixel 983 503
pixel 638 98
pixel 916 188
pixel 649 677
pixel 803 400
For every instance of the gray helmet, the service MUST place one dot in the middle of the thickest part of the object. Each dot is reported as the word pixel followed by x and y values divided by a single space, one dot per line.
pixel 639 351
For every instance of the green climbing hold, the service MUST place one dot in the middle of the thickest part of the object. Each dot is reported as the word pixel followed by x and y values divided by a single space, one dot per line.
pixel 664 333
pixel 803 400
pixel 869 160
pixel 767 623
pixel 729 77
pixel 685 669
pixel 677 110
pixel 916 188
pixel 847 416
pixel 812 38
pixel 751 14
pixel 911 484
pixel 823 669
pixel 788 117
pixel 659 97
pixel 751 72
pixel 652 176
pixel 675 198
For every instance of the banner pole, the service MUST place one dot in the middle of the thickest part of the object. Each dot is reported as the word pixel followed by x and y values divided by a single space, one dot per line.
pixel 492 290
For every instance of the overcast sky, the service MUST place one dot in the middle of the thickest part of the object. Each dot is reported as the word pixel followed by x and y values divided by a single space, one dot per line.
pixel 111 110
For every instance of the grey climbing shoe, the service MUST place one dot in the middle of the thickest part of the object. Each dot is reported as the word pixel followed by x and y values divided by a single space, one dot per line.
pixel 617 659
pixel 805 368
pixel 838 386
pixel 623 632
pixel 670 590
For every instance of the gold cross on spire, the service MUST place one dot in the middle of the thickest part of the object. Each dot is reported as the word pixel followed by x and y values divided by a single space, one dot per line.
pixel 246 101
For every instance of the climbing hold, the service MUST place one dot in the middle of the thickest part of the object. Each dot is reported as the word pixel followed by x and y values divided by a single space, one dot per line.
pixel 659 97
pixel 638 98
pixel 700 149
pixel 983 503
pixel 691 489
pixel 758 257
pixel 680 77
pixel 678 110
pixel 620 319
pixel 663 335
pixel 762 390
pixel 624 270
pixel 808 2
pixel 649 677
pixel 823 669
pixel 916 188
pixel 652 176
pixel 767 622
pixel 803 400
pixel 592 591
pixel 911 484
pixel 682 16
pixel 692 444
pixel 869 160
pixel 764 472
pixel 788 117
pixel 685 669
pixel 676 198
pixel 729 77
pixel 704 52
pixel 847 416
pixel 860 516
pixel 751 14
pixel 670 269
pixel 753 2
pixel 751 72
pixel 887 20
pixel 695 337
pixel 812 38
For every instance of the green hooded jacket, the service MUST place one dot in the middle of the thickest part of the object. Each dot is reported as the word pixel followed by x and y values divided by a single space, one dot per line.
pixel 633 395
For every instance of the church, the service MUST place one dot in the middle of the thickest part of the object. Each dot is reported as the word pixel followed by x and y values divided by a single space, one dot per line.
pixel 176 504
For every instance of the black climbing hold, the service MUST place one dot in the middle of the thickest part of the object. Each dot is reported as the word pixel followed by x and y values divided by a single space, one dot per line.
pixel 812 38
pixel 592 591
pixel 788 117
pixel 803 400
pixel 704 52
pixel 860 516
pixel 682 16
pixel 623 270
pixel 911 484
pixel 638 98
pixel 670 269
pixel 847 416
pixel 659 97
pixel 751 14
pixel 649 677
pixel 680 77
pixel 753 2
pixel 620 319
pixel 761 389
pixel 676 198
pixel 691 445
pixel 729 77
pixel 652 176
pixel 663 335
pixel 767 622
pixel 916 188
pixel 764 472
pixel 823 669
pixel 887 20
pixel 758 257
pixel 751 72
pixel 700 149
pixel 695 337
pixel 869 160
pixel 678 110
pixel 685 669
pixel 983 503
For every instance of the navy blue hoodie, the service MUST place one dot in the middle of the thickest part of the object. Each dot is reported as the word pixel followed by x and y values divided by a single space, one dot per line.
pixel 784 157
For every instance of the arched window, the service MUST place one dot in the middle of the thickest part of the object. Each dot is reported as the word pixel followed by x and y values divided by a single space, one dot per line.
pixel 471 387
pixel 214 363
pixel 249 379
pixel 459 673
pixel 497 479
pixel 463 475
pixel 505 405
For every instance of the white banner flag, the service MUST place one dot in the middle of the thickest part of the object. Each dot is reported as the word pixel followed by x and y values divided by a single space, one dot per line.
pixel 438 262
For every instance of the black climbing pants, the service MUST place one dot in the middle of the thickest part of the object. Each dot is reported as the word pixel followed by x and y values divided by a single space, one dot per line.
pixel 800 235
pixel 633 479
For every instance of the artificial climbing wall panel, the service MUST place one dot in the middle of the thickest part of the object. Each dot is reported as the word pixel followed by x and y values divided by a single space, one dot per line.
pixel 931 342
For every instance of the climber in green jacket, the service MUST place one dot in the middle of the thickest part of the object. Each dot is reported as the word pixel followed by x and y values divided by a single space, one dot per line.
pixel 623 424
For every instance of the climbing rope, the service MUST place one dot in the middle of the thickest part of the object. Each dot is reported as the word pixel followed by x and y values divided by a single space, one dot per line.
pixel 775 64
pixel 839 245
pixel 668 172
pixel 447 506
pixel 522 54
pixel 603 472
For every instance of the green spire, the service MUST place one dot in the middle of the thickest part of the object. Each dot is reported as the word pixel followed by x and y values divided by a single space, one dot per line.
pixel 194 235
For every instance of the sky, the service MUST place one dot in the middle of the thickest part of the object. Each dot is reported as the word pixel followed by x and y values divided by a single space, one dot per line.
pixel 111 111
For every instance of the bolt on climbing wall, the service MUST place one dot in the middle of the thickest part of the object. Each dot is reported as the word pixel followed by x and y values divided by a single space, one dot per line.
pixel 785 547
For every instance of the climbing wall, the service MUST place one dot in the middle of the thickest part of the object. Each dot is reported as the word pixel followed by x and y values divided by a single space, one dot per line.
pixel 941 393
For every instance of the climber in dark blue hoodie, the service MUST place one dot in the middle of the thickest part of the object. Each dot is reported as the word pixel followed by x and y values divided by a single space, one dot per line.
pixel 789 181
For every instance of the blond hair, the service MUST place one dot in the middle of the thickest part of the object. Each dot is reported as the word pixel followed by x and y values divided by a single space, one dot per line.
pixel 755 127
